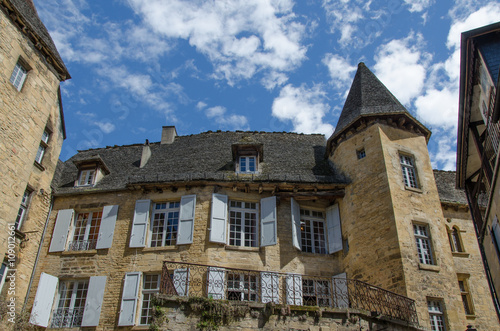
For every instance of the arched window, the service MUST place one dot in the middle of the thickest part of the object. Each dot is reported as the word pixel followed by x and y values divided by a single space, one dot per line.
pixel 455 240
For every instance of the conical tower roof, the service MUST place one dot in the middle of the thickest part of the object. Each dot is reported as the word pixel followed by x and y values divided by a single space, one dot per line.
pixel 369 97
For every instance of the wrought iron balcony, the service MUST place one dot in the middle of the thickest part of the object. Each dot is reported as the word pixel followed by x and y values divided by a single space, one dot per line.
pixel 196 280
pixel 67 318
pixel 82 245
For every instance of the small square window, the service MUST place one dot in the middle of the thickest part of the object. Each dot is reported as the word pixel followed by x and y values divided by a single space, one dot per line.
pixel 87 177
pixel 18 76
pixel 248 164
pixel 361 154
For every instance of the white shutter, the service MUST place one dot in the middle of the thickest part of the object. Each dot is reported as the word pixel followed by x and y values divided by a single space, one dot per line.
pixel 107 228
pixel 268 220
pixel 140 223
pixel 44 299
pixel 61 229
pixel 186 220
pixel 218 221
pixel 129 298
pixel 496 233
pixel 339 288
pixel 216 283
pixel 296 224
pixel 294 290
pixel 270 287
pixel 181 281
pixel 333 229
pixel 93 303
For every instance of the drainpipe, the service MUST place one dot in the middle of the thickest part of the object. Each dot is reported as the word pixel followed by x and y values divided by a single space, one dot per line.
pixel 38 253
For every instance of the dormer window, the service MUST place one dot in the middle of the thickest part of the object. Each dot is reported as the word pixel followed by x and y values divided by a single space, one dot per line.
pixel 90 171
pixel 247 158
pixel 87 177
pixel 248 164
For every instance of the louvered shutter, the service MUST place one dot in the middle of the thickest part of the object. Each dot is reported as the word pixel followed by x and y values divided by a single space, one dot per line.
pixel 107 228
pixel 270 287
pixel 333 229
pixel 140 223
pixel 296 224
pixel 218 222
pixel 61 229
pixel 216 283
pixel 340 293
pixel 186 220
pixel 129 298
pixel 181 281
pixel 294 290
pixel 44 299
pixel 268 221
pixel 93 303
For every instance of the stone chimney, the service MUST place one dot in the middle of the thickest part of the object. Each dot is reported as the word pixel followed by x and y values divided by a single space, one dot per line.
pixel 146 154
pixel 168 134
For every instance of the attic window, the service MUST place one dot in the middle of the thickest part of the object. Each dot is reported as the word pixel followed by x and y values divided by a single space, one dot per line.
pixel 247 164
pixel 90 171
pixel 86 177
pixel 247 158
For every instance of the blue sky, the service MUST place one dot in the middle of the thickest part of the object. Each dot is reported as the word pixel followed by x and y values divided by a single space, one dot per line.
pixel 258 65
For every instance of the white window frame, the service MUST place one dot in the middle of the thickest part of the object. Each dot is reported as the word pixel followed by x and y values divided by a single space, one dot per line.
pixel 3 274
pixel 308 222
pixel 146 304
pixel 245 162
pixel 85 244
pixel 321 292
pixel 243 210
pixel 75 295
pixel 424 243
pixel 42 148
pixel 87 177
pixel 409 171
pixel 246 286
pixel 18 76
pixel 436 314
pixel 170 207
pixel 23 208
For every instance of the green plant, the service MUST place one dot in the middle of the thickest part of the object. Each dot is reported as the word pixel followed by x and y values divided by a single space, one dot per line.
pixel 214 313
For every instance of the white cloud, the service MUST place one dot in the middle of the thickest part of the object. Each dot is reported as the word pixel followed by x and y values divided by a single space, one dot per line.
pixel 418 5
pixel 439 107
pixel 220 116
pixel 445 157
pixel 401 66
pixel 341 71
pixel 201 105
pixel 106 127
pixel 304 107
pixel 216 111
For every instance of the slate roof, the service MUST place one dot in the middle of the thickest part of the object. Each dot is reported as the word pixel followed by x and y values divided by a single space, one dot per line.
pixel 26 10
pixel 445 181
pixel 288 157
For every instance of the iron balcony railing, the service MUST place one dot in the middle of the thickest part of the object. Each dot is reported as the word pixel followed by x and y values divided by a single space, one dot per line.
pixel 82 245
pixel 67 318
pixel 196 280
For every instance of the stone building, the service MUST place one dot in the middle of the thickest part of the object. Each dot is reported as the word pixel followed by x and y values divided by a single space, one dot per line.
pixel 292 230
pixel 31 134
pixel 478 141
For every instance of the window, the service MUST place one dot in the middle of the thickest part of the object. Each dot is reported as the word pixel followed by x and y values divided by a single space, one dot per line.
pixel 151 285
pixel 42 147
pixel 86 177
pixel 243 223
pixel 241 287
pixel 436 315
pixel 464 292
pixel 23 209
pixel 455 241
pixel 4 268
pixel 18 76
pixel 409 173
pixel 248 164
pixel 423 243
pixel 164 224
pixel 361 154
pixel 316 292
pixel 313 231
pixel 70 304
pixel 85 231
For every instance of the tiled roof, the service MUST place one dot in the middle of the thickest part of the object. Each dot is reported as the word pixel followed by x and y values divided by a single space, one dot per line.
pixel 288 157
pixel 445 181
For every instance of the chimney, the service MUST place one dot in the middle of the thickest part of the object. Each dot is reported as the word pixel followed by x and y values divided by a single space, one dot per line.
pixel 168 134
pixel 146 154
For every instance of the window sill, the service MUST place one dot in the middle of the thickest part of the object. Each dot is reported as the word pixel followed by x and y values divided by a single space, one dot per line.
pixel 39 166
pixel 470 317
pixel 314 254
pixel 140 327
pixel 460 254
pixel 19 234
pixel 429 267
pixel 412 189
pixel 243 249
pixel 87 252
pixel 160 248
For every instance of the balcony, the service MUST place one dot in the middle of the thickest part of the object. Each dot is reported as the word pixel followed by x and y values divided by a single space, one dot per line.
pixel 82 245
pixel 196 280
pixel 67 318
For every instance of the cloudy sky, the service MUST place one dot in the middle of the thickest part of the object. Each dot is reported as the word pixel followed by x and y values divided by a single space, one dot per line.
pixel 259 65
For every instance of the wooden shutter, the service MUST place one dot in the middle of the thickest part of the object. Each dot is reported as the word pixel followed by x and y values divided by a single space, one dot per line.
pixel 296 224
pixel 140 223
pixel 339 289
pixel 294 290
pixel 333 229
pixel 268 221
pixel 107 228
pixel 270 287
pixel 61 229
pixel 186 220
pixel 93 303
pixel 129 298
pixel 44 299
pixel 181 281
pixel 216 283
pixel 218 221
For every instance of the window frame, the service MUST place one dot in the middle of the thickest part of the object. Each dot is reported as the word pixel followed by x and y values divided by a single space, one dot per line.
pixel 244 163
pixel 309 222
pixel 73 297
pixel 20 70
pixel 409 171
pixel 423 238
pixel 150 292
pixel 89 229
pixel 455 240
pixel 3 275
pixel 317 296
pixel 243 225
pixel 436 314
pixel 89 179
pixel 463 286
pixel 23 208
pixel 175 209
pixel 44 145
pixel 247 287
pixel 361 153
